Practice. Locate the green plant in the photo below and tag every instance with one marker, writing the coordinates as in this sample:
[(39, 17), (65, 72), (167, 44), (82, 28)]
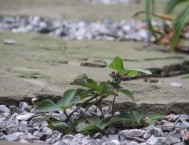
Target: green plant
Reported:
[(139, 118), (94, 124), (178, 23), (186, 76), (90, 92)]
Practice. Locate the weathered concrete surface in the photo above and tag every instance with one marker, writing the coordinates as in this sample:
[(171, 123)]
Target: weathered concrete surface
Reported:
[(68, 9), (15, 143), (40, 66)]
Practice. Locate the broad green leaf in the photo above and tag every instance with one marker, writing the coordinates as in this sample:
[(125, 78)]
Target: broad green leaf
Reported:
[(76, 122), (84, 81), (115, 85), (132, 118), (127, 93), (152, 117), (84, 92), (82, 126), (132, 73), (90, 83), (106, 89), (69, 98), (46, 118), (127, 118), (138, 116), (61, 127), (148, 17), (141, 70), (102, 86), (47, 106), (91, 128), (105, 122), (117, 64), (93, 120), (80, 80), (179, 23)]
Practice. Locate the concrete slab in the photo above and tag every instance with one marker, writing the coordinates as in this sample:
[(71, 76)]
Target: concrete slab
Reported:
[(15, 143), (64, 9), (44, 67)]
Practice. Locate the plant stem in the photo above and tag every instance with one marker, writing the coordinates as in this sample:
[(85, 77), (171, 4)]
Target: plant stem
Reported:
[(113, 103), (84, 116), (81, 105), (67, 116), (98, 104)]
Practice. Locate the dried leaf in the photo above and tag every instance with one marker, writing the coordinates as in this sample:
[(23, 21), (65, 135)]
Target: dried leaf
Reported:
[(171, 117)]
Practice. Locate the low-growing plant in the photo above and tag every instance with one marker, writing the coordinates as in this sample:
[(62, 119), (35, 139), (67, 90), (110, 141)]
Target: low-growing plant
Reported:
[(139, 118), (91, 93)]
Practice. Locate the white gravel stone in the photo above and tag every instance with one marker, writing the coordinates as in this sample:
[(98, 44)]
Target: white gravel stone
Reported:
[(25, 117)]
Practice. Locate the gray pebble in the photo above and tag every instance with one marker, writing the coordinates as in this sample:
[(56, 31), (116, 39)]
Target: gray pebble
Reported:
[(15, 136), (184, 117)]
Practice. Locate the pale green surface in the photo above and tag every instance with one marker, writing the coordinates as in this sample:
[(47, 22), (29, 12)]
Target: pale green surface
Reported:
[(44, 57), (37, 49), (69, 9)]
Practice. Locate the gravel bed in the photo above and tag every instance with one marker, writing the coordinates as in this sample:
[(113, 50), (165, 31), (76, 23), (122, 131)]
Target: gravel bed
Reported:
[(78, 29), (82, 30), (22, 124), (110, 2)]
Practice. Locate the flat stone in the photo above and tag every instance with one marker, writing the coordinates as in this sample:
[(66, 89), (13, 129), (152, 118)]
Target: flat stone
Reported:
[(14, 143), (159, 97), (15, 136), (132, 133)]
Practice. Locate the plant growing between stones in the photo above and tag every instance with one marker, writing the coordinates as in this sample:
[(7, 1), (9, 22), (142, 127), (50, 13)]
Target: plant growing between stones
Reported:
[(90, 95), (139, 118)]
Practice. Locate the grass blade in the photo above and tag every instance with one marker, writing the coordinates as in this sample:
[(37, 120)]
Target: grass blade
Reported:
[(172, 4), (178, 25), (148, 17)]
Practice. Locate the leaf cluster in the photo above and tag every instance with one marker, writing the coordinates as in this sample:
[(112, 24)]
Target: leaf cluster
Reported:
[(91, 92), (139, 118)]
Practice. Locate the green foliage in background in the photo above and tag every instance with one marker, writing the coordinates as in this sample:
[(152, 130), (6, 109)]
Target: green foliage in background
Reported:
[(179, 22)]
